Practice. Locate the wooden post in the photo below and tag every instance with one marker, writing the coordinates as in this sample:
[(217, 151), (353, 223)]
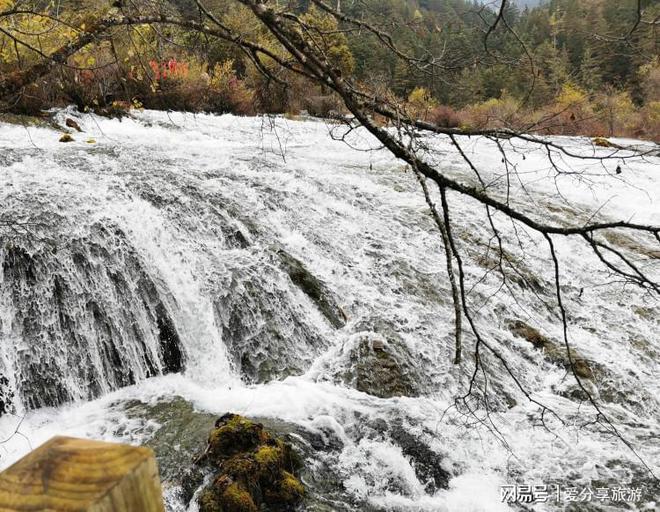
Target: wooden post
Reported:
[(67, 474)]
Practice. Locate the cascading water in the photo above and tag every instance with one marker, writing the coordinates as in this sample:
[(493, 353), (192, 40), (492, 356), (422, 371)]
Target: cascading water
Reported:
[(282, 275)]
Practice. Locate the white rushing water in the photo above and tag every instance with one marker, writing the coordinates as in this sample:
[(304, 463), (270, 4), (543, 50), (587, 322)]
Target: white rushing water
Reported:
[(156, 261)]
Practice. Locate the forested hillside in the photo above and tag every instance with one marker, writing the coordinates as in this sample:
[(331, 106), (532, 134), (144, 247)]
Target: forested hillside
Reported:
[(568, 67)]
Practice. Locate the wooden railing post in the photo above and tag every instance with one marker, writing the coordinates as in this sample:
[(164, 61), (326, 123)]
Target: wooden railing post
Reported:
[(67, 474)]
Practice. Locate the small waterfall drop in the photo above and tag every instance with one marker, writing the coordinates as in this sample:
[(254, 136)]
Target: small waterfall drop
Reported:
[(185, 266)]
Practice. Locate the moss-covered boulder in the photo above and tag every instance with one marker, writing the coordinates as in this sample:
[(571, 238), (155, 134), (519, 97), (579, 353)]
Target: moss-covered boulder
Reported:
[(255, 471), (601, 142)]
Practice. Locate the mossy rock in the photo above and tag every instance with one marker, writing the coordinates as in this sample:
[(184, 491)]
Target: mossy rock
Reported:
[(236, 498), (208, 501), (601, 142), (254, 469), (234, 434), (287, 490), (226, 496), (66, 138)]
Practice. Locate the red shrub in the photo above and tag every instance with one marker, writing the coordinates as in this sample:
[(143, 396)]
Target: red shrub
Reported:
[(445, 117)]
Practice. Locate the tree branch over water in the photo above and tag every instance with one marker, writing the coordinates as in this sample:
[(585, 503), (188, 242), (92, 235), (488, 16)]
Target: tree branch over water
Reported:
[(303, 52)]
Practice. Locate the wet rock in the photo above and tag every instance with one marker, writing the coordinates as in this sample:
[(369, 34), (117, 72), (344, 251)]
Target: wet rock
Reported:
[(66, 138), (598, 380), (426, 462), (6, 396), (178, 435), (267, 335), (254, 469), (601, 142), (116, 110), (270, 333), (72, 124), (381, 367), (381, 372), (92, 314), (553, 351), (41, 120), (169, 340), (313, 287), (414, 283), (631, 244)]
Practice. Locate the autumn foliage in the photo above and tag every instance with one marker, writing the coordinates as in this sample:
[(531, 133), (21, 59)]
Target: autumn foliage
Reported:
[(577, 85)]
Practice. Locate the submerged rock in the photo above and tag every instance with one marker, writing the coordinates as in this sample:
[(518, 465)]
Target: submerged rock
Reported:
[(255, 469), (270, 333), (598, 380), (314, 288), (425, 461), (267, 335), (553, 351), (91, 311), (178, 432)]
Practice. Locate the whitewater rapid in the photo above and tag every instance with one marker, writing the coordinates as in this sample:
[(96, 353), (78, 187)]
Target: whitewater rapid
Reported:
[(149, 260)]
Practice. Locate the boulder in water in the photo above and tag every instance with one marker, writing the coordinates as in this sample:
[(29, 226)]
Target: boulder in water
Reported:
[(66, 138), (601, 142), (427, 463), (254, 468), (72, 124), (381, 371), (376, 359), (381, 367)]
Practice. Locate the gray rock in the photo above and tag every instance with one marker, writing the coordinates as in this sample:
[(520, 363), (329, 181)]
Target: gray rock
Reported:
[(380, 363), (313, 287)]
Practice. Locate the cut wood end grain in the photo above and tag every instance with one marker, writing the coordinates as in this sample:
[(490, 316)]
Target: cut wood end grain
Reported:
[(68, 474)]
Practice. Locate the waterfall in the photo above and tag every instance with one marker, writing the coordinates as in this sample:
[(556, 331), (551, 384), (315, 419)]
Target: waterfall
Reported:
[(83, 317), (119, 266), (263, 268)]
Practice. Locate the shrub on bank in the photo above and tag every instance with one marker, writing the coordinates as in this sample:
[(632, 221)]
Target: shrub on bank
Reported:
[(445, 117)]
